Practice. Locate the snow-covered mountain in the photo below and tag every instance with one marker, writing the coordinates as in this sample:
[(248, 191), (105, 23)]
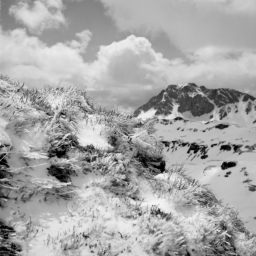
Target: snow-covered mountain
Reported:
[(199, 103)]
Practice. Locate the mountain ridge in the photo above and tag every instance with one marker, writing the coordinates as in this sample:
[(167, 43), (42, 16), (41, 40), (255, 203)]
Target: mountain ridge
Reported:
[(192, 101)]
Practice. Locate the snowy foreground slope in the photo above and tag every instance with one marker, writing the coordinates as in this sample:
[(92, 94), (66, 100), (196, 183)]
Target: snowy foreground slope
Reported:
[(79, 180), (203, 147)]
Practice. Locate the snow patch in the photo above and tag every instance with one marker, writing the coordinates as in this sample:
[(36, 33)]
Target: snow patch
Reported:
[(148, 114), (92, 132)]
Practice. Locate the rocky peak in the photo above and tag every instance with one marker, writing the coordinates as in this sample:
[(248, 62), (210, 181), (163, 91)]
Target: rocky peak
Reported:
[(194, 99)]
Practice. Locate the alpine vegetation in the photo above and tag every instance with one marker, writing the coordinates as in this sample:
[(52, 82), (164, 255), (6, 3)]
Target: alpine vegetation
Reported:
[(80, 180)]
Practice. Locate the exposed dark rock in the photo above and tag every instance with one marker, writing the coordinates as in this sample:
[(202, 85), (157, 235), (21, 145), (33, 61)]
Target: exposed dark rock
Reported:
[(252, 188), (225, 148), (197, 105), (213, 145), (226, 165), (248, 108), (248, 97), (184, 144), (247, 181), (165, 121), (166, 143), (202, 149), (237, 147), (223, 113), (178, 118), (250, 147), (221, 126), (196, 100), (227, 174)]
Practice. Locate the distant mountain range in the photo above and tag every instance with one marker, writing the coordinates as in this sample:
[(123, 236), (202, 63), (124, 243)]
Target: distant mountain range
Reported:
[(194, 102)]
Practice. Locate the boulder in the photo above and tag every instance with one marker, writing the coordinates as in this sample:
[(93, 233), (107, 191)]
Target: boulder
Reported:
[(226, 165), (221, 126), (225, 147)]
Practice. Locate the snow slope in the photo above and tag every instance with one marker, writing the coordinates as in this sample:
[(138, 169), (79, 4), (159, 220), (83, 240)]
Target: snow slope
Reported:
[(76, 180), (233, 188)]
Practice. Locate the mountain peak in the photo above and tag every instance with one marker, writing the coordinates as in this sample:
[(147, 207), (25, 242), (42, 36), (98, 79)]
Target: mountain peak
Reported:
[(198, 102)]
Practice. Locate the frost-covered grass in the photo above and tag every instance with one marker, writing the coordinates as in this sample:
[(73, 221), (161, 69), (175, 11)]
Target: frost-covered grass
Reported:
[(76, 179)]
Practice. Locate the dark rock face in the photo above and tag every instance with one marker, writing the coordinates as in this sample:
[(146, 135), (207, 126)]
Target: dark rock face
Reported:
[(166, 143), (178, 119), (162, 103), (226, 165), (197, 105), (237, 148), (225, 148), (196, 100), (252, 188), (197, 148), (221, 126), (248, 108)]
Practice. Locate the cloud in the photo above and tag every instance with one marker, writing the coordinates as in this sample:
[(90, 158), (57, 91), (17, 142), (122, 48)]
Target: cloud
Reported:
[(39, 15), (126, 73), (84, 39), (122, 73), (189, 24), (235, 6), (28, 59)]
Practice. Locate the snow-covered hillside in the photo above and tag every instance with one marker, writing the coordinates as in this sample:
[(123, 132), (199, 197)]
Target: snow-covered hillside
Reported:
[(203, 147), (79, 180)]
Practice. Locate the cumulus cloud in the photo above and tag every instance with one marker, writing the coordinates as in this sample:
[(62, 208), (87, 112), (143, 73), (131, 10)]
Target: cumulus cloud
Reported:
[(189, 24), (126, 73), (123, 72), (84, 39), (39, 15), (28, 59)]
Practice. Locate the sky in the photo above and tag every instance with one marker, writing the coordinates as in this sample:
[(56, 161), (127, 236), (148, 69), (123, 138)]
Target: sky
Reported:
[(123, 52)]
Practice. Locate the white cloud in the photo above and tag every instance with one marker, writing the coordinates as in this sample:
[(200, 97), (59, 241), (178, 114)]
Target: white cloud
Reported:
[(28, 59), (129, 72), (189, 24), (39, 15), (84, 39), (126, 73)]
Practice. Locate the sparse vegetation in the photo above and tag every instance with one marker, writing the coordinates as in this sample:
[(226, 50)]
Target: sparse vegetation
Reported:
[(114, 212)]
